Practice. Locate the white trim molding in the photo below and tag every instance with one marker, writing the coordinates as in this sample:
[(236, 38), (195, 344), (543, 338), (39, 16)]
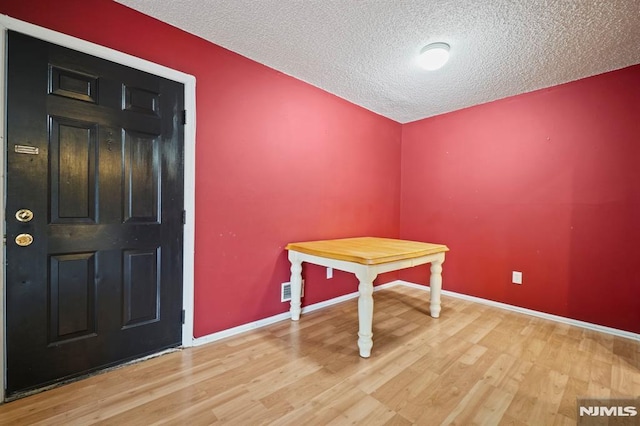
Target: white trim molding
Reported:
[(563, 320), (316, 306), (214, 337), (189, 81)]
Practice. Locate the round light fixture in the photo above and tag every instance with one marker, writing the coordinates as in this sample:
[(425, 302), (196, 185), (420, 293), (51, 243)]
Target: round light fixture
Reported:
[(433, 56)]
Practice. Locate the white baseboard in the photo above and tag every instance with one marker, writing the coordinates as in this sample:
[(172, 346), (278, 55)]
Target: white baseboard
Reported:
[(538, 314), (280, 317), (321, 305)]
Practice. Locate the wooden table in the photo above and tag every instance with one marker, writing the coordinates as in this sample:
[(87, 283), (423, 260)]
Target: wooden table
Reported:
[(366, 257)]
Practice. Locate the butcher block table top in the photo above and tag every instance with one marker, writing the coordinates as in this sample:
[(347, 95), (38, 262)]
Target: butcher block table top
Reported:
[(367, 250)]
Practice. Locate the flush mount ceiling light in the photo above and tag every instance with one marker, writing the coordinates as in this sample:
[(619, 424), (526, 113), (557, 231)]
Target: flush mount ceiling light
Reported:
[(433, 56)]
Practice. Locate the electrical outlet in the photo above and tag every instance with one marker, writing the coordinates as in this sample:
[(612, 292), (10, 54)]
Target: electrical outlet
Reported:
[(516, 277), (329, 273)]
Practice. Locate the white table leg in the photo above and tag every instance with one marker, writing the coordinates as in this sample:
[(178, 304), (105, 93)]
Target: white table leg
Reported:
[(296, 285), (435, 284), (365, 311)]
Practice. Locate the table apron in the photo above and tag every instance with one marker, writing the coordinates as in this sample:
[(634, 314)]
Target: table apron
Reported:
[(355, 267)]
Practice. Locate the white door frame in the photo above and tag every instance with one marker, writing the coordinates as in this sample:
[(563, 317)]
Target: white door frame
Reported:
[(189, 81)]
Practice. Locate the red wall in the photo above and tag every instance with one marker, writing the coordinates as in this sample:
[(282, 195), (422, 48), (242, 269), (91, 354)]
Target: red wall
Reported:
[(277, 161), (546, 183)]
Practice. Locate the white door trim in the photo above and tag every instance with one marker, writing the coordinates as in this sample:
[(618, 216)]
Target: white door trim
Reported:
[(189, 81)]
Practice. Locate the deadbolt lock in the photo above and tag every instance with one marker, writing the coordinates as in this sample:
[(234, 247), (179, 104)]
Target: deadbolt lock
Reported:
[(24, 240), (24, 215)]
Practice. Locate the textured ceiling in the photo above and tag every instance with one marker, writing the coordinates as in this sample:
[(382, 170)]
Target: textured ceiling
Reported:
[(364, 50)]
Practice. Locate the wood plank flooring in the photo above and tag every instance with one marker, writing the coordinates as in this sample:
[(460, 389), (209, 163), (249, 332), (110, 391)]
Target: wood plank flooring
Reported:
[(474, 365)]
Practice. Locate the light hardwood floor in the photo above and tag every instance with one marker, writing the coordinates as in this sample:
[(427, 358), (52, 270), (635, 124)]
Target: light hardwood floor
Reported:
[(473, 365)]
